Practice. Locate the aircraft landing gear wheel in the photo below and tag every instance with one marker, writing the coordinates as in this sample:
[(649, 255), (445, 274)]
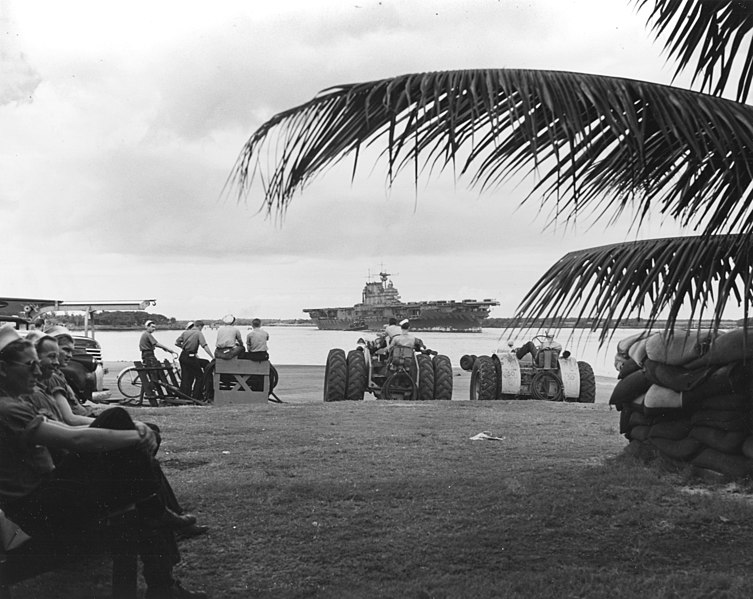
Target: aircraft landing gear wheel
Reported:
[(335, 376), (587, 383), (425, 378), (357, 375), (442, 378), (483, 379)]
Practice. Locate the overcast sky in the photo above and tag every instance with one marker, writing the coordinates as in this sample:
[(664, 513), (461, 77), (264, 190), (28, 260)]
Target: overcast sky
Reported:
[(120, 122)]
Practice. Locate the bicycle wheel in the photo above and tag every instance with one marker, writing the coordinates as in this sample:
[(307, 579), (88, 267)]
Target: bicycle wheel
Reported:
[(129, 383)]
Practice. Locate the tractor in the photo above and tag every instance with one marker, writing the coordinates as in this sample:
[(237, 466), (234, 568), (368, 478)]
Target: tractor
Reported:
[(402, 373), (538, 370)]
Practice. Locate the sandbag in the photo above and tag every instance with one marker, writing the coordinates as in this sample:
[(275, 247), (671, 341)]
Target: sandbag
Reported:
[(724, 441), (629, 388), (625, 366), (624, 346), (637, 403), (730, 401), (682, 449), (638, 433), (735, 466), (662, 398), (637, 351), (638, 419), (747, 448), (678, 348), (723, 380), (640, 450), (625, 414), (677, 378), (724, 420), (671, 429), (732, 346)]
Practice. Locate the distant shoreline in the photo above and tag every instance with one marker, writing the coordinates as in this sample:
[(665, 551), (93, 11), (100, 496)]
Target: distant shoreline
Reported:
[(496, 323)]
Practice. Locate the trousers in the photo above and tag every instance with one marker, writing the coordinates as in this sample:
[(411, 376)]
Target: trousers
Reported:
[(87, 486)]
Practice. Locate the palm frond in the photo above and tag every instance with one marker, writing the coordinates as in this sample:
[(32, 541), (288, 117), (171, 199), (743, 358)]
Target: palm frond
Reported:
[(598, 145), (716, 32), (653, 279)]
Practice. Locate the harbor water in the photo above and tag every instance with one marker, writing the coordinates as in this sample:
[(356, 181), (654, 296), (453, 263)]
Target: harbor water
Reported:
[(308, 346)]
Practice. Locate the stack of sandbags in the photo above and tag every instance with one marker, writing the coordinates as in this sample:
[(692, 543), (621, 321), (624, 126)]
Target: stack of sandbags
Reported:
[(687, 396)]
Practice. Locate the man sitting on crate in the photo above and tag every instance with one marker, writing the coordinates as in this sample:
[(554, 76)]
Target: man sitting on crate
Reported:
[(229, 340), (256, 342), (191, 366)]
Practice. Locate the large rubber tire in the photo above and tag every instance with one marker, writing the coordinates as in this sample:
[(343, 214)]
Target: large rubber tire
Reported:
[(425, 378), (358, 375), (274, 377), (546, 385), (497, 376), (587, 383), (400, 386), (129, 383), (483, 379), (335, 376), (442, 378)]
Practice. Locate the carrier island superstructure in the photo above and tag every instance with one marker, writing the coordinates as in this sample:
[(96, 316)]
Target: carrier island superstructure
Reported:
[(381, 301)]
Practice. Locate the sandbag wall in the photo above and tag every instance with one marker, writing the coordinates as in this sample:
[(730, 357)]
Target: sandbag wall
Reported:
[(687, 396)]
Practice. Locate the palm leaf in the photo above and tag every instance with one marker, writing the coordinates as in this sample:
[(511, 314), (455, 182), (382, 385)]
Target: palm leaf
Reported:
[(599, 145), (653, 279), (717, 33)]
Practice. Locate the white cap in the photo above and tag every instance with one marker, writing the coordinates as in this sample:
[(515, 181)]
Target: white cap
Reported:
[(404, 321), (8, 334), (56, 330), (148, 323), (228, 319)]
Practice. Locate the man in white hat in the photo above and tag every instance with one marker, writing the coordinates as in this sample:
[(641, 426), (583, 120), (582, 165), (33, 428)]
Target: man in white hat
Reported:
[(147, 345), (405, 338), (229, 339)]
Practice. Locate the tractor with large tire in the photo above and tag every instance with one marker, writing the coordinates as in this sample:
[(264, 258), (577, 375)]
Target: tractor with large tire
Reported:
[(538, 370), (401, 373)]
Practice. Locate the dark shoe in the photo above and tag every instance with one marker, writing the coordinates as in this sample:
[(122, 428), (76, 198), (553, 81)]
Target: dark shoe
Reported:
[(188, 532), (169, 519), (176, 591)]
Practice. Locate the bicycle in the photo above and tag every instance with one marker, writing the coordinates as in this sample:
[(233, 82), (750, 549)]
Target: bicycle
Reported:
[(129, 380)]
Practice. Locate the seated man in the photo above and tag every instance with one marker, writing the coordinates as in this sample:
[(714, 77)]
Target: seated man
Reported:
[(256, 342), (392, 329), (229, 341), (104, 468), (405, 338), (50, 400), (533, 349), (66, 377)]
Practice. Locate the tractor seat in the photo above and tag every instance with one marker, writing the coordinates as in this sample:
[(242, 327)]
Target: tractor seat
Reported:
[(547, 358)]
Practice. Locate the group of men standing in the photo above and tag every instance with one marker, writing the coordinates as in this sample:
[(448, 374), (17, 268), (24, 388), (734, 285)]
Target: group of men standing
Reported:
[(229, 345)]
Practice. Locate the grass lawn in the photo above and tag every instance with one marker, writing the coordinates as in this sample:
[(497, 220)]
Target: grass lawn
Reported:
[(380, 499)]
